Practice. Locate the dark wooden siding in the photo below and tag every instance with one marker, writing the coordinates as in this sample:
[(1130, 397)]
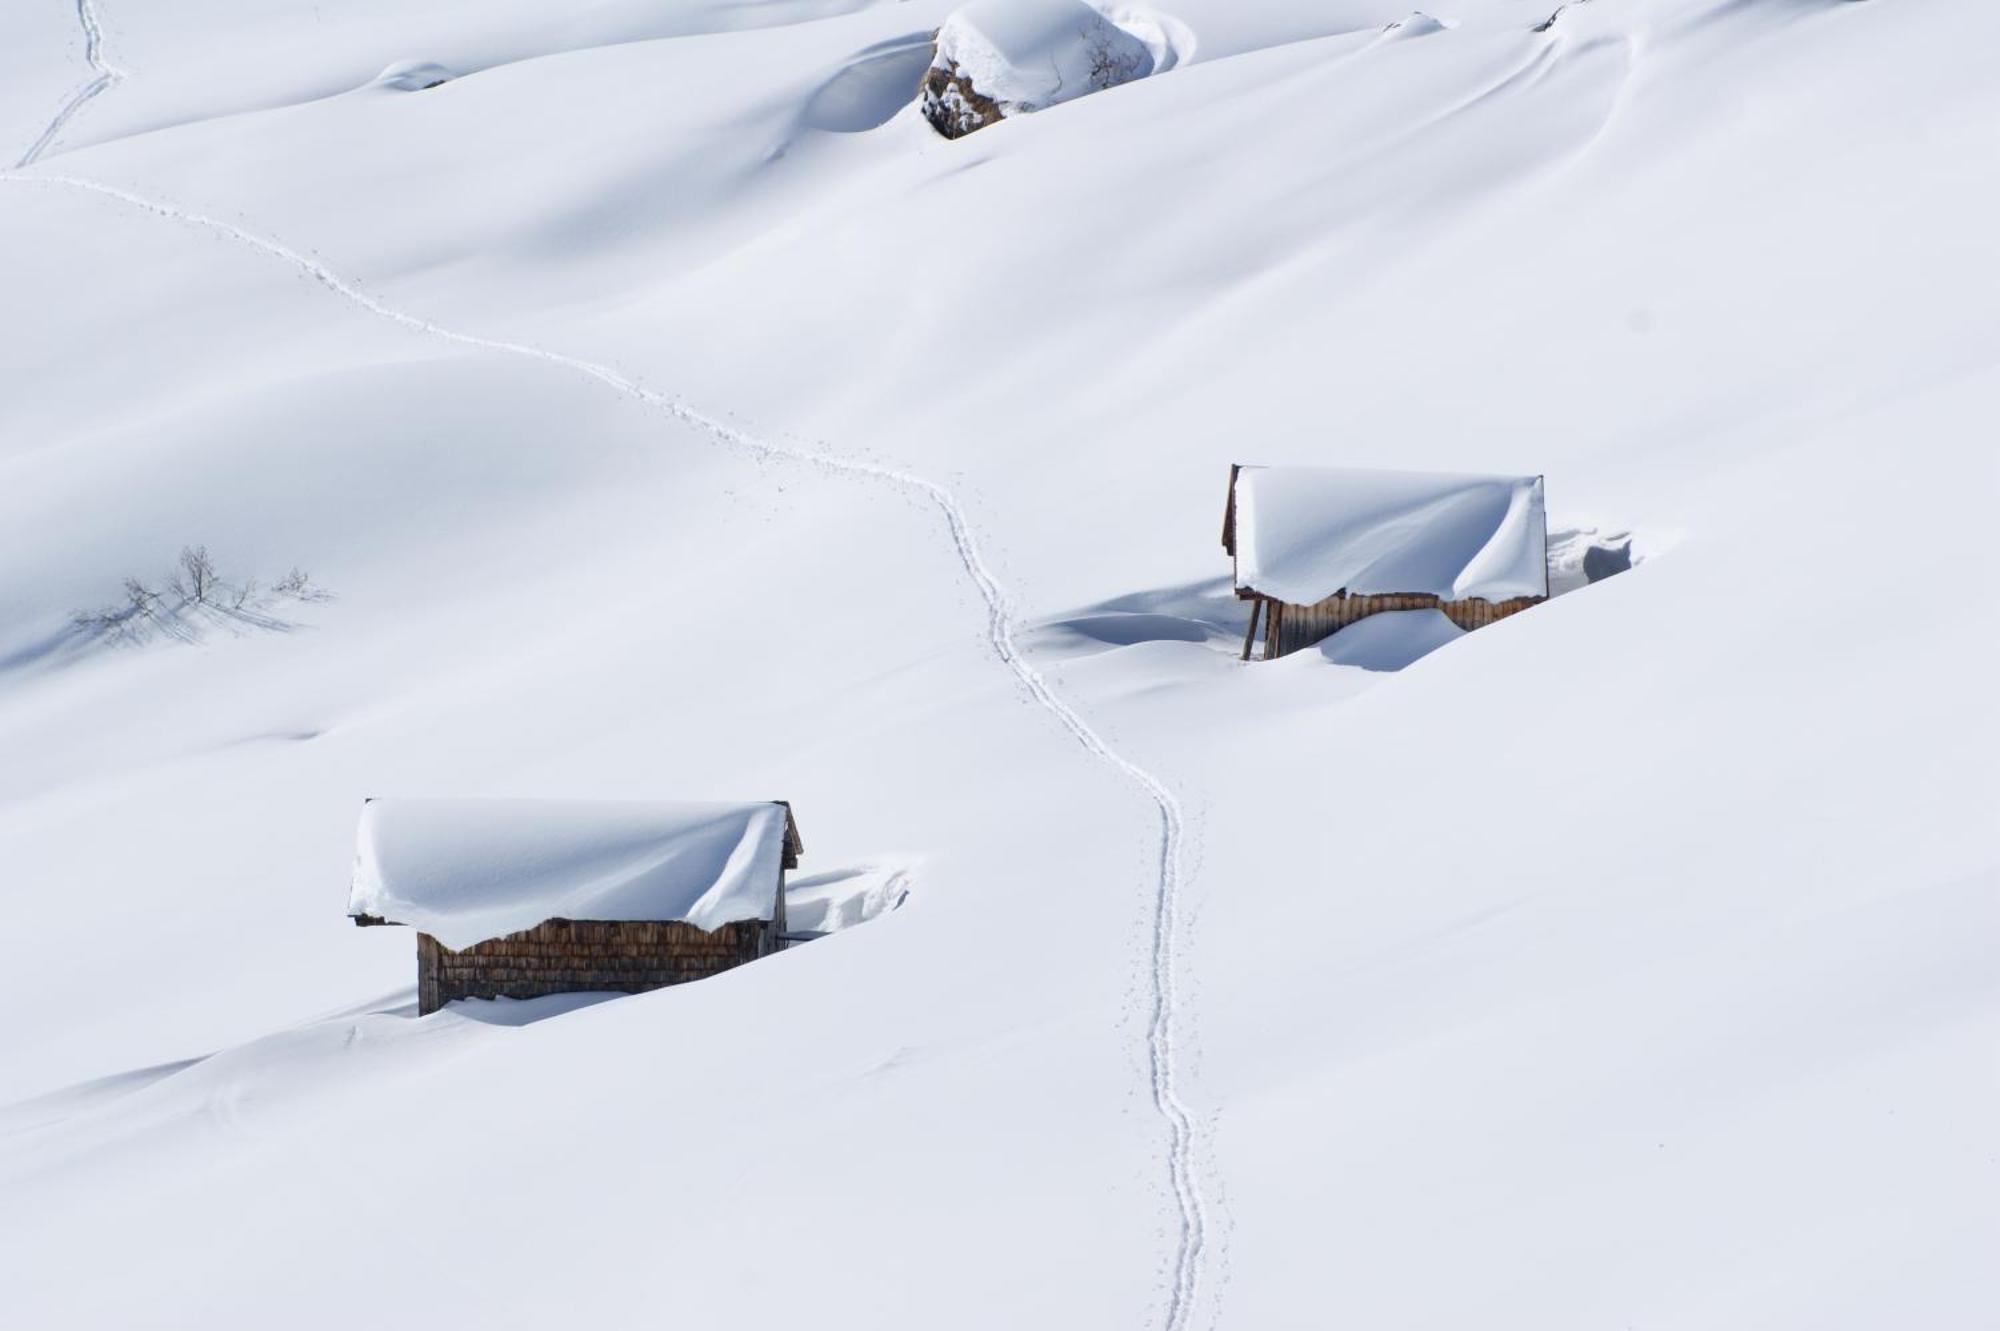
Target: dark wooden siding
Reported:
[(1291, 627), (585, 956)]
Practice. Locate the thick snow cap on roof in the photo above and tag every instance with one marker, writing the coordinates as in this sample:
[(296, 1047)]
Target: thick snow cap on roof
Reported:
[(1300, 534), (466, 870)]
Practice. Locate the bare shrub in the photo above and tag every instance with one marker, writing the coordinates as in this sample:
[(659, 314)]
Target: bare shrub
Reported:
[(1109, 67), (197, 595), (297, 585), (195, 580)]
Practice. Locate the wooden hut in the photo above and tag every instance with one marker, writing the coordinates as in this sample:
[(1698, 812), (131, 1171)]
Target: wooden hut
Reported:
[(523, 898), (1316, 548)]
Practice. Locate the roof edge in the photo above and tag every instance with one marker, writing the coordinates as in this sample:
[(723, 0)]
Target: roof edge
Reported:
[(1229, 513), (795, 845)]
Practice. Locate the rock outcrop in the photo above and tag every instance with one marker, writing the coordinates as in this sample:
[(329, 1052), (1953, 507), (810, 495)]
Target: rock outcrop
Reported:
[(999, 58)]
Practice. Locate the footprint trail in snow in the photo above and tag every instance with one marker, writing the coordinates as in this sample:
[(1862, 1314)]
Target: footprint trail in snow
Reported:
[(102, 75)]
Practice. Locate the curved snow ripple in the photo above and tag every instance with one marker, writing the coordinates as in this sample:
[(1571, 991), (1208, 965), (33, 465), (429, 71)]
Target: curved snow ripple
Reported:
[(103, 75), (1191, 1238)]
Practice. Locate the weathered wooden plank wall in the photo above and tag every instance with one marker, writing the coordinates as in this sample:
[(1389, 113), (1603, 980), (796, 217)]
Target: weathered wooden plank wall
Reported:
[(584, 956), (1290, 627), (428, 951)]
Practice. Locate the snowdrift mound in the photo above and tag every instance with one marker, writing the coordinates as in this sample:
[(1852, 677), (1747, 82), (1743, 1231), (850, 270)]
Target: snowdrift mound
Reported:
[(825, 903), (1206, 613), (1418, 24), (871, 88), (1579, 556), (413, 76), (1126, 630), (1170, 42), (1000, 58), (1391, 640)]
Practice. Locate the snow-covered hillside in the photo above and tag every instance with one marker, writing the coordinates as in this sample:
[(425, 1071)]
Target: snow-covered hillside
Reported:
[(667, 411)]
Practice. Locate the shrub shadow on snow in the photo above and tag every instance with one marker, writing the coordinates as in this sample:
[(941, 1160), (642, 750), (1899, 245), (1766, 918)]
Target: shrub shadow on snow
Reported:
[(49, 652), (193, 598)]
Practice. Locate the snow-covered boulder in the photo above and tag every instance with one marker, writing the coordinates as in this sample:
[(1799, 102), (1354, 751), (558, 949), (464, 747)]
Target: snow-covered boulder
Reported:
[(999, 58), (413, 76)]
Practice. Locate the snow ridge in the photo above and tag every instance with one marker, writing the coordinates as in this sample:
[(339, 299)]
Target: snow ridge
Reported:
[(1162, 1069), (103, 75)]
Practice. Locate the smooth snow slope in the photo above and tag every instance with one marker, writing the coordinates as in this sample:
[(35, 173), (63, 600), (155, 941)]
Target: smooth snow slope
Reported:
[(1624, 962)]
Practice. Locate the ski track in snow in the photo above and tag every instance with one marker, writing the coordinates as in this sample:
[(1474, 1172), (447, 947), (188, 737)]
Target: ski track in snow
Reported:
[(1191, 1240), (103, 75)]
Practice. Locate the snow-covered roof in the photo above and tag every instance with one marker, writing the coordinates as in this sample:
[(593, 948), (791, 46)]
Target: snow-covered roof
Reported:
[(466, 870), (1301, 534)]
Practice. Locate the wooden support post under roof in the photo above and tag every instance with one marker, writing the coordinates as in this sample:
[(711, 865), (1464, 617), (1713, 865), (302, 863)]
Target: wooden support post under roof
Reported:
[(1250, 633)]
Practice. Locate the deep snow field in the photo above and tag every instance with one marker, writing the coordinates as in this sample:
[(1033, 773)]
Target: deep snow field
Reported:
[(669, 412)]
